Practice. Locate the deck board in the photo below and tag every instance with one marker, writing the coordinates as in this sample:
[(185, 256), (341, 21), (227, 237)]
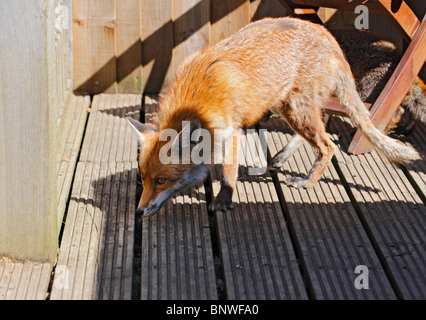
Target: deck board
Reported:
[(177, 258), (23, 280), (328, 232), (417, 169), (259, 261), (96, 254), (393, 213), (73, 125), (108, 136), (97, 247)]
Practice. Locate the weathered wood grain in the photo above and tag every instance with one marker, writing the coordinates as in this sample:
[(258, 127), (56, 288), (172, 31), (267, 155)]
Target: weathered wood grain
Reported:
[(96, 254), (128, 46), (73, 124), (157, 37), (330, 236), (23, 281), (30, 280), (191, 28), (417, 169), (260, 9), (96, 257), (95, 67), (113, 44), (278, 243), (227, 17), (259, 261), (177, 259), (29, 111), (393, 214), (108, 136)]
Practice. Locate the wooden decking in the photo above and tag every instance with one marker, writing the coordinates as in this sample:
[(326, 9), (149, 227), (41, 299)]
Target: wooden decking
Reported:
[(277, 243)]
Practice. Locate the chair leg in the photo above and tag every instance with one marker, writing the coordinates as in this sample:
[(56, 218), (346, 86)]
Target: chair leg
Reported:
[(396, 88)]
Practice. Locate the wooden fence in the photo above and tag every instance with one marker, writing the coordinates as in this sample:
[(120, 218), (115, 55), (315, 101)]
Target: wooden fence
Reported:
[(134, 46), (35, 85)]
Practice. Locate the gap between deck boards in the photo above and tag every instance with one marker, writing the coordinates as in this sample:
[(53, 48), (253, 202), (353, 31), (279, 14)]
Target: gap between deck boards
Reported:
[(221, 284), (80, 125)]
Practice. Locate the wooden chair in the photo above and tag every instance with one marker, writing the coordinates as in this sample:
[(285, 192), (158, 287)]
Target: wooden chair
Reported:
[(404, 75)]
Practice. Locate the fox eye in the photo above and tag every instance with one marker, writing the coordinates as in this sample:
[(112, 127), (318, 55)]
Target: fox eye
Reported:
[(160, 180)]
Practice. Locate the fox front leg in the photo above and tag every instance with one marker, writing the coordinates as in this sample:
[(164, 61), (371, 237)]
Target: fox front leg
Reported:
[(223, 200)]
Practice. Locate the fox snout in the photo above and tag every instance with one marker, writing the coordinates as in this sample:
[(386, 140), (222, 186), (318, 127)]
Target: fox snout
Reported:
[(150, 203), (148, 211)]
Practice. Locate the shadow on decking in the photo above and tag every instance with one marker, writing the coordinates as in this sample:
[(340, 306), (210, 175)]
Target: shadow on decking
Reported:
[(278, 243), (101, 223), (329, 240)]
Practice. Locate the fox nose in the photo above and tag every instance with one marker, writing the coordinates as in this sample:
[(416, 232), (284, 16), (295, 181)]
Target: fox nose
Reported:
[(147, 212)]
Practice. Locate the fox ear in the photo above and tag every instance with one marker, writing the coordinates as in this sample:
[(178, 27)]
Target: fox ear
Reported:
[(139, 128)]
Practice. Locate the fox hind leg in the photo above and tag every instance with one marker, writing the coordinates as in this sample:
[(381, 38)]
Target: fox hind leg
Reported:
[(307, 123)]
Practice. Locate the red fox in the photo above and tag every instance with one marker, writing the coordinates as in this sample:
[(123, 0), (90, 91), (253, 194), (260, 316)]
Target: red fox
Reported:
[(288, 65)]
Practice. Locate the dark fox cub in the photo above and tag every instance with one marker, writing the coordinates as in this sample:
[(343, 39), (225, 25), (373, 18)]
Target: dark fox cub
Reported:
[(372, 62)]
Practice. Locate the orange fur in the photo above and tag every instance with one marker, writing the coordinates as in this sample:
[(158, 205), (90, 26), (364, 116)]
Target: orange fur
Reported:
[(289, 65)]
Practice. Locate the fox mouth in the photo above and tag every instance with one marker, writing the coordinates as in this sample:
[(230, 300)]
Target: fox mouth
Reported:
[(156, 205), (149, 211)]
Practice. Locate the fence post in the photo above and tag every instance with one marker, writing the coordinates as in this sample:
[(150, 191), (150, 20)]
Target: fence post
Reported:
[(28, 130)]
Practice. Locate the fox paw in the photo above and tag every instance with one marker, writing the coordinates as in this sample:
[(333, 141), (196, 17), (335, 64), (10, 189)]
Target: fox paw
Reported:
[(223, 202), (276, 162), (221, 205), (298, 182)]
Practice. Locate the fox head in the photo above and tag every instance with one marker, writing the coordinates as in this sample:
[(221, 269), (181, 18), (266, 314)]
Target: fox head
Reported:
[(164, 171)]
